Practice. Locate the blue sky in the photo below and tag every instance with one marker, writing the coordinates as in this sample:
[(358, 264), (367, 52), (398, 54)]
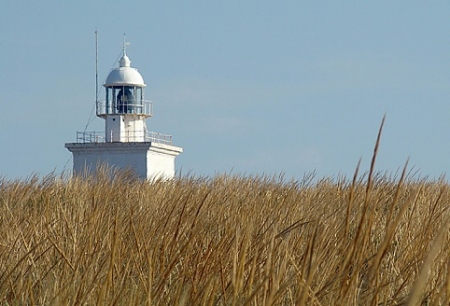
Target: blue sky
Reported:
[(247, 87)]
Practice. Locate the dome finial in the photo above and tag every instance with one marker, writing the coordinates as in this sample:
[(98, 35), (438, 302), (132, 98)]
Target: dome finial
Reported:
[(125, 61), (125, 44)]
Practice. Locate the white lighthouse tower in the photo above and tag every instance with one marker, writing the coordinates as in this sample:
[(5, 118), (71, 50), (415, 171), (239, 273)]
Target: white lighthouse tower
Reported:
[(126, 143)]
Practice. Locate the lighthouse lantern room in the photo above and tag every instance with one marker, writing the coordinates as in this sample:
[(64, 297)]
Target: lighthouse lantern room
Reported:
[(126, 142)]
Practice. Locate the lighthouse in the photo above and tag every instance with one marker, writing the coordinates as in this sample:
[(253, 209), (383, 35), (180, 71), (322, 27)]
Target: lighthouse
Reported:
[(126, 143)]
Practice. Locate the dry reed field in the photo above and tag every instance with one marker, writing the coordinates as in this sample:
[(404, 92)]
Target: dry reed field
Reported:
[(226, 240)]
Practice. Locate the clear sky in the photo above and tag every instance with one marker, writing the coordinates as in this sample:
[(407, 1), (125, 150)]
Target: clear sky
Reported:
[(247, 87)]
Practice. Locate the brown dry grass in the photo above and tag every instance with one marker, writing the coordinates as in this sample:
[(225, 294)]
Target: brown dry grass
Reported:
[(224, 241), (227, 240)]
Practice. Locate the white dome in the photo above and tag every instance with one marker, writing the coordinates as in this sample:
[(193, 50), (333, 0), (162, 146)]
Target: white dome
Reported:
[(124, 75)]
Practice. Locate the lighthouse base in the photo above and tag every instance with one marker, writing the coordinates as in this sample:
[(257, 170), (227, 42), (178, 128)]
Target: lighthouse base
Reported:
[(148, 160)]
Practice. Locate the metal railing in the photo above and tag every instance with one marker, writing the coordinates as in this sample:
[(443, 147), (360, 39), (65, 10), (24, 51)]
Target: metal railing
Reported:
[(158, 137), (134, 107), (88, 137), (99, 137)]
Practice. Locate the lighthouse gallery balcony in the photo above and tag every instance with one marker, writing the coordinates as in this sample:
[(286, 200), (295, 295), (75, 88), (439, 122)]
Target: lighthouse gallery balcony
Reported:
[(131, 107), (147, 136)]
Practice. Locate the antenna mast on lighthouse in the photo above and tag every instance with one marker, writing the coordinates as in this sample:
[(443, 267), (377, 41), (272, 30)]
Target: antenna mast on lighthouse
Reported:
[(96, 66)]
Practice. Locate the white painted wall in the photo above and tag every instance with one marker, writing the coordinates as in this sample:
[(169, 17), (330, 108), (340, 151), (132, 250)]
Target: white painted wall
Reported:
[(134, 129), (148, 160), (114, 124), (160, 165), (125, 128), (88, 161)]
